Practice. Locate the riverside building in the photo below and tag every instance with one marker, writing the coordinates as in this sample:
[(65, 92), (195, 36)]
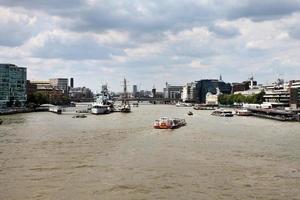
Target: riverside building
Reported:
[(210, 86), (295, 94), (12, 86), (41, 85), (60, 83), (134, 90), (189, 92), (277, 94), (81, 94), (172, 92), (283, 94)]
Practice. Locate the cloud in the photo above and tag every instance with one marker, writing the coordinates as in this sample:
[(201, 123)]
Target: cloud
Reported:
[(73, 46), (293, 26), (198, 64), (262, 10), (16, 28), (224, 29), (151, 41), (43, 5)]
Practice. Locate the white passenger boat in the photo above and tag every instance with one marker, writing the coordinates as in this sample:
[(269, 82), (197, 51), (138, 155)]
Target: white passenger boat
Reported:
[(55, 109), (99, 108)]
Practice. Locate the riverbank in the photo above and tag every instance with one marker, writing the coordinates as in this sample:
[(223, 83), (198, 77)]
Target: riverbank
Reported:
[(12, 111)]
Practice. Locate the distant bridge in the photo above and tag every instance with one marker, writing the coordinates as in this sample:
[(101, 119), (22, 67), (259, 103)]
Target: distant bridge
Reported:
[(150, 99)]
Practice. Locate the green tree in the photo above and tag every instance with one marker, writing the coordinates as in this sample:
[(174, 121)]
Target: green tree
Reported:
[(38, 98), (260, 97), (230, 99)]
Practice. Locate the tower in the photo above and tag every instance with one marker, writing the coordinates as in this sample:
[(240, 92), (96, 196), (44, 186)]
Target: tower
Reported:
[(71, 82), (153, 91), (251, 82)]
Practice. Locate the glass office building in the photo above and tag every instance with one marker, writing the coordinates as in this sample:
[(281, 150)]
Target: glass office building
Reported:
[(12, 86), (211, 85)]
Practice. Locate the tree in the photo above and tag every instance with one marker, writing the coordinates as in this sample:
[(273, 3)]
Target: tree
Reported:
[(230, 99), (41, 98), (38, 98), (260, 97)]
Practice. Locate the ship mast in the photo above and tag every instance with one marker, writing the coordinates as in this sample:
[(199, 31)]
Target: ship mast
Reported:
[(125, 89), (125, 106)]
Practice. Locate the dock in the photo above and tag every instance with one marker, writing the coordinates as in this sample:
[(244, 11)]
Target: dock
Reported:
[(280, 115)]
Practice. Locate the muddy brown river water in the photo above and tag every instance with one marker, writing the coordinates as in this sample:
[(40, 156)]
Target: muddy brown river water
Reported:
[(120, 156)]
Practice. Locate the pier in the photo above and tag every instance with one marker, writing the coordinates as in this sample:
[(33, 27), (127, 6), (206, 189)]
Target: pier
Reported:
[(15, 111), (281, 115)]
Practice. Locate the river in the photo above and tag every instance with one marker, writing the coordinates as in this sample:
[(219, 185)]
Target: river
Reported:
[(121, 156)]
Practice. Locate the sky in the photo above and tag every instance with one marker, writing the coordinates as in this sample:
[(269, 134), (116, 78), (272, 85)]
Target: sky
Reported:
[(151, 42)]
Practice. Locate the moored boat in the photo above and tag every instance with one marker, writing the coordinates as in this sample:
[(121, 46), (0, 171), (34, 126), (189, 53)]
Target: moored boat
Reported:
[(169, 123), (103, 103), (180, 104), (99, 108), (125, 106), (205, 107), (243, 112), (55, 109), (276, 114), (222, 113)]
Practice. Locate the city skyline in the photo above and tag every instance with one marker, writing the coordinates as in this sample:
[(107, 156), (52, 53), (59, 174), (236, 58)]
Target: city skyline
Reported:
[(151, 43)]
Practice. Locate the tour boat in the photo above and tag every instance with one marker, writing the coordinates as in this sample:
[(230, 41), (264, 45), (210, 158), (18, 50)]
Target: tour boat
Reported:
[(169, 123), (222, 113)]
